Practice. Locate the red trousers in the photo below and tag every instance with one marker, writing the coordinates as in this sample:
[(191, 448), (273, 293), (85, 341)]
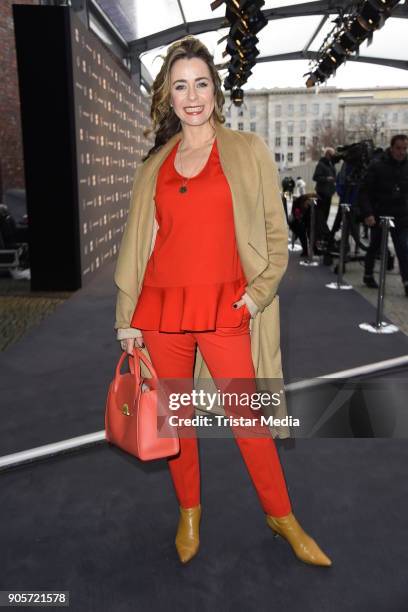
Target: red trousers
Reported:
[(227, 353)]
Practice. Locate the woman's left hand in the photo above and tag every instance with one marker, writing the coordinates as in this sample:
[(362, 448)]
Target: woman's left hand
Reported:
[(250, 304)]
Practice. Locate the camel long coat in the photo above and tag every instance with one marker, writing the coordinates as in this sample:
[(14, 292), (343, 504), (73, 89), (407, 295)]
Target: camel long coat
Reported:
[(262, 242)]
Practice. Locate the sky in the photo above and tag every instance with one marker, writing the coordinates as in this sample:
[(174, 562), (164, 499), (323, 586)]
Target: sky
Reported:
[(349, 75)]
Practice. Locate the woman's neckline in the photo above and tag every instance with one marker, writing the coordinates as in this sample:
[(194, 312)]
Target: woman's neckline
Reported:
[(188, 178)]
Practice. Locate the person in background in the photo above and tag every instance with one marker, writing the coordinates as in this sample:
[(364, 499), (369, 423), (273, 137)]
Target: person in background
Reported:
[(299, 220), (300, 187), (346, 194), (288, 186), (384, 192), (325, 179)]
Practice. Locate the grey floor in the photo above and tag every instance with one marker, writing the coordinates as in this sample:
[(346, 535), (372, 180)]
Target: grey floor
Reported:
[(102, 526)]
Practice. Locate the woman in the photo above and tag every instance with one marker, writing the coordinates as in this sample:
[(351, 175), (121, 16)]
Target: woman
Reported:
[(203, 252)]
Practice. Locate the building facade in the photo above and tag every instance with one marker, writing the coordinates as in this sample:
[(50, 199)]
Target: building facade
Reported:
[(292, 120)]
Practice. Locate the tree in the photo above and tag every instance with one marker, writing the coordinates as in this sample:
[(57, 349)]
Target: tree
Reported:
[(328, 134), (364, 124)]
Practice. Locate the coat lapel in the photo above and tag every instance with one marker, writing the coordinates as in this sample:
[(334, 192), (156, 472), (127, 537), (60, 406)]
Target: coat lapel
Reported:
[(243, 175)]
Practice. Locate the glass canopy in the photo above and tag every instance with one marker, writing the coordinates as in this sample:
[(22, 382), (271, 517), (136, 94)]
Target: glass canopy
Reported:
[(294, 28)]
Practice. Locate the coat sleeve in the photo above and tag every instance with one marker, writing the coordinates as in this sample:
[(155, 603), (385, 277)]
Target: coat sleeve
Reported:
[(124, 333), (263, 289)]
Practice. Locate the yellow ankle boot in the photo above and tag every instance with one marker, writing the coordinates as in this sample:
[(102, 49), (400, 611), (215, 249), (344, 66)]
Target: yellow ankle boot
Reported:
[(304, 547), (188, 536)]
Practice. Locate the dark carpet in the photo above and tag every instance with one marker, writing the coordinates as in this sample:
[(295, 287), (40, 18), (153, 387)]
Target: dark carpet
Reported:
[(102, 525), (319, 326)]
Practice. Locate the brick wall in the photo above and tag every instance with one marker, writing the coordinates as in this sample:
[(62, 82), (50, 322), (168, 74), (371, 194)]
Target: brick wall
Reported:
[(11, 154)]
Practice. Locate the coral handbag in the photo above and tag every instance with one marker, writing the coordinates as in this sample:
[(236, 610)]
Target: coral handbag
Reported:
[(136, 413)]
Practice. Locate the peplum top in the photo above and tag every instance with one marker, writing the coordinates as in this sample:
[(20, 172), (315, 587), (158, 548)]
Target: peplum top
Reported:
[(194, 273)]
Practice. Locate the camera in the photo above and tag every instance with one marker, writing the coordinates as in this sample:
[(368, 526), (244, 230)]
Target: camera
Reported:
[(358, 157)]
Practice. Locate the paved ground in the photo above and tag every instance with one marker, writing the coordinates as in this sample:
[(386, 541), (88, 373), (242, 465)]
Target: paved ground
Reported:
[(21, 309)]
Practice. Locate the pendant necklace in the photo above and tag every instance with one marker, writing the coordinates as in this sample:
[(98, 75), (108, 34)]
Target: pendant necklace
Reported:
[(183, 186)]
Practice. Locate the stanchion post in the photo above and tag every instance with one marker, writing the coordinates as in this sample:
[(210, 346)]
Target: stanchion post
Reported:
[(312, 232), (385, 223), (310, 261), (293, 239), (380, 327), (339, 284), (292, 246), (345, 209)]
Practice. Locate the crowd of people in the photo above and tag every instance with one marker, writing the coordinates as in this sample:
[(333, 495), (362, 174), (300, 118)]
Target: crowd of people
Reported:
[(382, 191)]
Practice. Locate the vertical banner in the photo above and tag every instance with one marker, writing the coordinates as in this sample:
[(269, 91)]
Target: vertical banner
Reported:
[(110, 116)]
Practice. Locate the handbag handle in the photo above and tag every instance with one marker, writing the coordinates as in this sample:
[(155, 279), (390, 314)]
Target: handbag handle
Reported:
[(137, 353), (135, 370)]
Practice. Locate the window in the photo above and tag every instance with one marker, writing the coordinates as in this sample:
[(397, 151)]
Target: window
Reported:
[(252, 126), (227, 124), (290, 141), (327, 108), (303, 109), (290, 157), (277, 141), (240, 125), (395, 117), (302, 156), (252, 111), (405, 117), (277, 157), (316, 125), (241, 112), (315, 140), (278, 125), (290, 109), (290, 127), (315, 109), (278, 110), (302, 127), (303, 141)]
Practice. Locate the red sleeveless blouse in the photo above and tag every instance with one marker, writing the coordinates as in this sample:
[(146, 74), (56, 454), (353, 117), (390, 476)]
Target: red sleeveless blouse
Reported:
[(194, 274)]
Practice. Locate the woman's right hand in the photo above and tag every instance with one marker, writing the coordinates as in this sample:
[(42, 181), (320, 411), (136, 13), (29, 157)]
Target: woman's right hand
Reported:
[(128, 344)]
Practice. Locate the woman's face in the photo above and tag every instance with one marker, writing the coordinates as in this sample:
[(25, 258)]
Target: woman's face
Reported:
[(192, 91)]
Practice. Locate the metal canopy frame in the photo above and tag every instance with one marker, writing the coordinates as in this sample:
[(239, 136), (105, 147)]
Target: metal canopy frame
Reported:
[(308, 9), (131, 50), (312, 55)]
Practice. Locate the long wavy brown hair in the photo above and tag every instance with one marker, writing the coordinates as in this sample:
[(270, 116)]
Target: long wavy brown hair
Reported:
[(165, 122)]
